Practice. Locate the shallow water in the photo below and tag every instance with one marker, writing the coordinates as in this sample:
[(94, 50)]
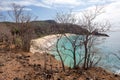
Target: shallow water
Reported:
[(105, 49)]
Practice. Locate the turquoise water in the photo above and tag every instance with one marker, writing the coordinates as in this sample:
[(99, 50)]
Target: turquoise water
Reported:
[(66, 50), (105, 47)]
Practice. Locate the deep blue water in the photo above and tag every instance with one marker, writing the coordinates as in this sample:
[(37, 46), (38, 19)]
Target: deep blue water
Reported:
[(105, 49)]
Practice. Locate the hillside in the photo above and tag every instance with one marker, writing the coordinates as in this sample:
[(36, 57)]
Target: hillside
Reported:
[(21, 34), (18, 65), (28, 66), (48, 27)]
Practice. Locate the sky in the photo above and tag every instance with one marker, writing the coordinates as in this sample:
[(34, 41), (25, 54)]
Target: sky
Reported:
[(47, 9)]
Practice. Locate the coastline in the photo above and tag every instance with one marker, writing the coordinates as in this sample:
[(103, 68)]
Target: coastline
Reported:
[(44, 44)]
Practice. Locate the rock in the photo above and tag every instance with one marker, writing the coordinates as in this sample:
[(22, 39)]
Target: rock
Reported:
[(27, 77), (117, 72), (88, 78), (80, 72), (48, 76), (58, 79), (67, 74), (37, 67), (1, 65), (116, 75), (16, 78), (1, 72), (75, 78)]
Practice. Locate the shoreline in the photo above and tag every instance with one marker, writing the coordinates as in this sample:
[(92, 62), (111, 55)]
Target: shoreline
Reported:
[(44, 44)]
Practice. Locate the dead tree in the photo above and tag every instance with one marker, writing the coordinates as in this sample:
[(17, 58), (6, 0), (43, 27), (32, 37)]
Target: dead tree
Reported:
[(66, 19), (87, 21), (22, 29), (89, 37)]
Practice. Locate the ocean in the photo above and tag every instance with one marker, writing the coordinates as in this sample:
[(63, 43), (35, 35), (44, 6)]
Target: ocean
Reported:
[(105, 48), (109, 47)]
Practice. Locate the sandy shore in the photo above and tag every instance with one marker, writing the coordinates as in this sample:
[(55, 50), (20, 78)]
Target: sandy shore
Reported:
[(45, 44)]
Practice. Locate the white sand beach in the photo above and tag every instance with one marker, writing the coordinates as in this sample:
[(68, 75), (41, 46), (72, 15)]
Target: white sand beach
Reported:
[(44, 44)]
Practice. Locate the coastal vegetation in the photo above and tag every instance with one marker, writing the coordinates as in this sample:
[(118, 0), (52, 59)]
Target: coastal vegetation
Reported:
[(15, 42)]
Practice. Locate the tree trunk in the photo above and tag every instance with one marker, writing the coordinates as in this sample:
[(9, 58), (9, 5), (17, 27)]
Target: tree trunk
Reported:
[(74, 57), (86, 53), (60, 55)]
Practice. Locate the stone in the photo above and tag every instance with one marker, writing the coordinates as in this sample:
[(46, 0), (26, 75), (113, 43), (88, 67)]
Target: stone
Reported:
[(1, 64), (16, 78)]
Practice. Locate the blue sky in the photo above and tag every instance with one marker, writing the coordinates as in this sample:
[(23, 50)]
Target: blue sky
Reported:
[(46, 9)]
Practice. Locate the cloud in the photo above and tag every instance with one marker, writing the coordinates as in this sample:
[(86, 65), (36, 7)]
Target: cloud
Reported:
[(41, 3), (112, 13), (112, 7), (31, 3), (5, 4), (6, 8), (62, 3)]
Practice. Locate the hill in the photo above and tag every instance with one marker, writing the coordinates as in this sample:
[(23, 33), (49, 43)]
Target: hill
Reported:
[(28, 66), (48, 27)]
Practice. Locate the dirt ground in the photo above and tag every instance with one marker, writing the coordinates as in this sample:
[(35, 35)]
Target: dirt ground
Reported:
[(28, 66)]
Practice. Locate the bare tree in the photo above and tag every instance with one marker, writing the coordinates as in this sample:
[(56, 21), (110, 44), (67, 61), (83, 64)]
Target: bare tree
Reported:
[(5, 37), (16, 12), (76, 45), (68, 20), (88, 22), (59, 53), (22, 30), (63, 18), (26, 31), (89, 37)]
